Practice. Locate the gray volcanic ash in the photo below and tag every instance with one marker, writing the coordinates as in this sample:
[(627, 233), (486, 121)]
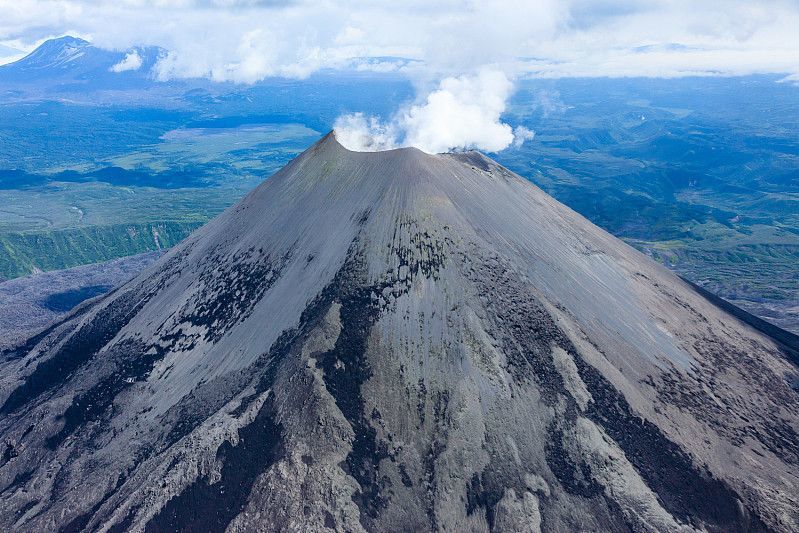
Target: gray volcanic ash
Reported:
[(397, 341)]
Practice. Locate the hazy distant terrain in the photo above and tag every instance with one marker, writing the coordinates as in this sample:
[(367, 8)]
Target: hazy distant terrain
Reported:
[(700, 173), (29, 303)]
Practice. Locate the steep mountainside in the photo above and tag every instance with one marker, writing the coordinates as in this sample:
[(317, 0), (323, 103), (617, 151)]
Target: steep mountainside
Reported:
[(397, 341)]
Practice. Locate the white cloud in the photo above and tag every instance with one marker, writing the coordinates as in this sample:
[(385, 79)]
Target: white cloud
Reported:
[(246, 40), (793, 79), (461, 113), (360, 133), (521, 135), (132, 61)]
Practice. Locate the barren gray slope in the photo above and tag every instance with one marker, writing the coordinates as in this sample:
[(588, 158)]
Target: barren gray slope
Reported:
[(398, 341)]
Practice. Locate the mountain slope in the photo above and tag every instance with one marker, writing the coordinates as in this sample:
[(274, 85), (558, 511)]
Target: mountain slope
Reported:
[(400, 341), (62, 54), (70, 63)]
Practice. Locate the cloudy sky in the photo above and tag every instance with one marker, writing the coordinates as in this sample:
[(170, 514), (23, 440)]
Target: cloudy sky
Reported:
[(246, 40), (463, 56)]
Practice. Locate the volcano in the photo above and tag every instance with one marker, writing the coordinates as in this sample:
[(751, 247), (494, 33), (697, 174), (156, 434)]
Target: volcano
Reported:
[(399, 341), (74, 65)]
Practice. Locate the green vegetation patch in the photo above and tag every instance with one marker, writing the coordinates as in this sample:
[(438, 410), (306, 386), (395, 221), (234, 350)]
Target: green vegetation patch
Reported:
[(23, 253)]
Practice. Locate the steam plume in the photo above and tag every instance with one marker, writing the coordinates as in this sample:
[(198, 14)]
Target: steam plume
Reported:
[(461, 113)]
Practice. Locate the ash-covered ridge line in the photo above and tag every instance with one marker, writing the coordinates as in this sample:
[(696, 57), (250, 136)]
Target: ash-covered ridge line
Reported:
[(400, 341)]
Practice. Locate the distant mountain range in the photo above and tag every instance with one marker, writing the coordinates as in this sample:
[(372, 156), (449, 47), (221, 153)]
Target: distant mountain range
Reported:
[(70, 63)]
